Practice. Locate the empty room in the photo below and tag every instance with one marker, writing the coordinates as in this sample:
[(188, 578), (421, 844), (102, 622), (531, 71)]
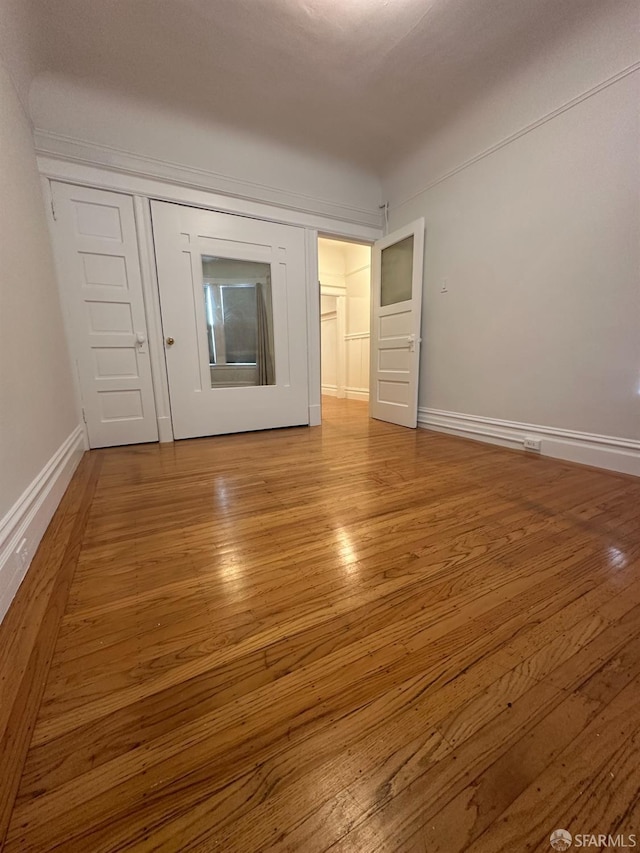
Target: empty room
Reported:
[(319, 426)]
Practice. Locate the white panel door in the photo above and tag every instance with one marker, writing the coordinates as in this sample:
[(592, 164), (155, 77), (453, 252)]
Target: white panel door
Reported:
[(233, 300), (396, 303), (96, 249)]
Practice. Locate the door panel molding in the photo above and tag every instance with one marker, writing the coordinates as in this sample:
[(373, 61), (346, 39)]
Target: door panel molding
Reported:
[(86, 172), (183, 236), (95, 243), (395, 327)]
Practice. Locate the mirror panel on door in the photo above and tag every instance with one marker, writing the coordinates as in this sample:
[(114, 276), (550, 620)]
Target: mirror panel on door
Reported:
[(239, 318), (233, 301)]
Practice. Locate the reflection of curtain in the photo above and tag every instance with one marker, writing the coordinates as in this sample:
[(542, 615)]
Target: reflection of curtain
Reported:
[(212, 352), (264, 348)]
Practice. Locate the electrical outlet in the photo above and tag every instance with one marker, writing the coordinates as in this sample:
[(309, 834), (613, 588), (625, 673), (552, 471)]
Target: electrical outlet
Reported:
[(22, 553), (532, 443)]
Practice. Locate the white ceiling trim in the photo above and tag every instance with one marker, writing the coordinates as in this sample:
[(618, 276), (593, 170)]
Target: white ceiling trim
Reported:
[(610, 81), (55, 146)]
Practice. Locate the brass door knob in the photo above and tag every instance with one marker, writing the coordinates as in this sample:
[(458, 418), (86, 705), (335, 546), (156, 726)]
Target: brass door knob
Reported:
[(170, 342)]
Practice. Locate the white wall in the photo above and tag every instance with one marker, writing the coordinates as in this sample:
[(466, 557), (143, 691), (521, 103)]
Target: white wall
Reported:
[(534, 225), (37, 408), (357, 275), (266, 170), (329, 344)]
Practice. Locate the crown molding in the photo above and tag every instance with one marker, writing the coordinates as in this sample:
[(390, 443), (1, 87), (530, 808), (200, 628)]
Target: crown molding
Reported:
[(69, 149), (507, 140)]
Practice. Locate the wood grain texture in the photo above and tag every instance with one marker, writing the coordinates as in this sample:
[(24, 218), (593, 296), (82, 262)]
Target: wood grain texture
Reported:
[(349, 638), (29, 630)]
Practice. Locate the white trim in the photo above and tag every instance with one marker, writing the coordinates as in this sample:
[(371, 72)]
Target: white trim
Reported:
[(30, 515), (102, 178), (332, 290), (165, 429), (315, 415), (314, 369), (600, 451), (349, 393), (336, 275), (341, 350), (357, 336), (522, 132), (53, 149), (151, 296), (357, 393)]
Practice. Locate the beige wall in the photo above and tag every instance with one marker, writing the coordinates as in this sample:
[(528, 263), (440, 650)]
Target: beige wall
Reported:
[(357, 276), (346, 266), (536, 234), (20, 47), (37, 408)]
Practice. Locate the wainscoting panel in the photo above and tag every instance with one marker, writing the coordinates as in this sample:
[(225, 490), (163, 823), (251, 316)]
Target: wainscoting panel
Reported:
[(357, 357)]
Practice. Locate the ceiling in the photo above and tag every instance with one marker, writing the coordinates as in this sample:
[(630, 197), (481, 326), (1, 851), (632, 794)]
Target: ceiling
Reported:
[(362, 80)]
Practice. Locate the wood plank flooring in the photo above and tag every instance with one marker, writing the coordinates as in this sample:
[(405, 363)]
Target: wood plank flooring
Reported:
[(348, 639)]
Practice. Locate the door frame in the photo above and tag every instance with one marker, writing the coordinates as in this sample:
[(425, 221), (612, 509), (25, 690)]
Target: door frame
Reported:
[(143, 189)]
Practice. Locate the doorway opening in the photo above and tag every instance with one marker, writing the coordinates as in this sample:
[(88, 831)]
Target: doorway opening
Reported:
[(344, 271)]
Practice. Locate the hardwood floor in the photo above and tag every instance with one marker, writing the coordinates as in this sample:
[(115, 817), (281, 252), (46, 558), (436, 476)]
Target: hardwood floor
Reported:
[(354, 638)]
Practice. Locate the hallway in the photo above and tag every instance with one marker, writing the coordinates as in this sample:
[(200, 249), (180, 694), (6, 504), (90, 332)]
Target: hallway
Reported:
[(352, 638)]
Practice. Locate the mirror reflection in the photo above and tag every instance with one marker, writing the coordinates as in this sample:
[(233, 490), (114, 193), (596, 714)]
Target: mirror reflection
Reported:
[(239, 316)]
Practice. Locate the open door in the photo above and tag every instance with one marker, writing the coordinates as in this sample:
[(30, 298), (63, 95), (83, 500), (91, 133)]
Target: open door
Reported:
[(396, 302)]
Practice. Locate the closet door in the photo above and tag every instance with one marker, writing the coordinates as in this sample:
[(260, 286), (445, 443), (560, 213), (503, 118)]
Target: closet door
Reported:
[(233, 299), (96, 250)]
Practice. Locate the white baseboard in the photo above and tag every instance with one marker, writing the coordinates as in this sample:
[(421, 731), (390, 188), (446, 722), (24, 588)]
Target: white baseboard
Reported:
[(600, 451), (349, 393), (357, 394), (315, 415), (30, 515)]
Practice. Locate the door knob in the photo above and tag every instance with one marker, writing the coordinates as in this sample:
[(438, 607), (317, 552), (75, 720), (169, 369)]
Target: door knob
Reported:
[(170, 342)]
